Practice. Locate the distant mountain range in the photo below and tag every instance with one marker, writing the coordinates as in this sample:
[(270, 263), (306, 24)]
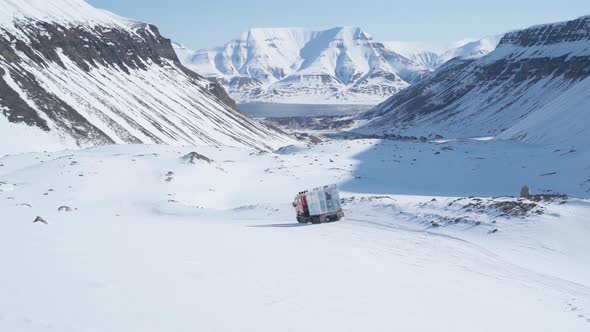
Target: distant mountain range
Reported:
[(534, 87), (75, 76), (337, 66), (432, 59)]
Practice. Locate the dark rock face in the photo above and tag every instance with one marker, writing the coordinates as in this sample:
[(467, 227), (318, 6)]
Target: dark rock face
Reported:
[(64, 209), (236, 84), (487, 96), (417, 97), (550, 34), (40, 220), (194, 157), (44, 44)]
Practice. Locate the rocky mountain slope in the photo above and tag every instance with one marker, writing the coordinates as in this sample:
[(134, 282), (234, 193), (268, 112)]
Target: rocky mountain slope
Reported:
[(73, 76), (293, 65), (533, 87)]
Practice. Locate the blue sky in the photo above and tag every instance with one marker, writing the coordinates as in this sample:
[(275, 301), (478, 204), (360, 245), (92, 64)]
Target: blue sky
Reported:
[(206, 23)]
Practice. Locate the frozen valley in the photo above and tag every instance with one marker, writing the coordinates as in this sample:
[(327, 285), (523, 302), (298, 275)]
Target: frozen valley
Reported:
[(149, 238), (135, 195)]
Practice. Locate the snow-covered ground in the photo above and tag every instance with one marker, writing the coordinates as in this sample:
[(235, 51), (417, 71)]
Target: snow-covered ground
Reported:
[(155, 242)]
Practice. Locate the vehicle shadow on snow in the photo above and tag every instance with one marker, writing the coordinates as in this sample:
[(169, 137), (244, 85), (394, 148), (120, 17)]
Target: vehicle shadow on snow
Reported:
[(290, 225)]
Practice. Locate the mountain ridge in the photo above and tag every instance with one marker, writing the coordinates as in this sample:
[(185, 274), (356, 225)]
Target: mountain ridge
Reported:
[(338, 65), (333, 66), (531, 88), (107, 81)]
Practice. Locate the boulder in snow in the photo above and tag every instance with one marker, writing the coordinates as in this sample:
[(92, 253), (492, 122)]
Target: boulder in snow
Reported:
[(41, 220), (194, 157), (64, 209)]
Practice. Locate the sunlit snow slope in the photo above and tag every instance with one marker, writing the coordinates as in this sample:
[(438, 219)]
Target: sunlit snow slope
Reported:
[(533, 87), (151, 242), (72, 75)]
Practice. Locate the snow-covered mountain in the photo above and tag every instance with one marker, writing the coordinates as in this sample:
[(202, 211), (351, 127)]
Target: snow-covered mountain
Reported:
[(72, 75), (533, 87), (420, 53), (433, 58), (294, 65), (471, 49)]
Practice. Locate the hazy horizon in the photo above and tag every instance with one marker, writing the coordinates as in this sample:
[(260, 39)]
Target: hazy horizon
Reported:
[(213, 23)]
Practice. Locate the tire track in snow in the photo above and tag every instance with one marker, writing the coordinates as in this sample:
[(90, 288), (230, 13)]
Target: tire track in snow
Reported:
[(565, 290)]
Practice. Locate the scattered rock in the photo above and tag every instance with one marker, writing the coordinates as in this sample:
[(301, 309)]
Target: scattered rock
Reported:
[(194, 157), (169, 176), (41, 220), (64, 209), (495, 230), (507, 207), (549, 198), (570, 151), (549, 174)]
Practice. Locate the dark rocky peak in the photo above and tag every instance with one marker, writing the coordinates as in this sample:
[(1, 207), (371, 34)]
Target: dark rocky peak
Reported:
[(550, 34)]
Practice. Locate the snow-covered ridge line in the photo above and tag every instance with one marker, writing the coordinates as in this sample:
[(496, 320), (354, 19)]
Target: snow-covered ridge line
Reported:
[(549, 40), (555, 24), (66, 12), (433, 58)]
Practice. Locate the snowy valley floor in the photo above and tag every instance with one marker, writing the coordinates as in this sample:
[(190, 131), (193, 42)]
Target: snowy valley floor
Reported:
[(155, 242)]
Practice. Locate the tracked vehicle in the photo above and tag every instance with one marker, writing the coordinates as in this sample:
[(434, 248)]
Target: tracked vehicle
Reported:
[(318, 205)]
